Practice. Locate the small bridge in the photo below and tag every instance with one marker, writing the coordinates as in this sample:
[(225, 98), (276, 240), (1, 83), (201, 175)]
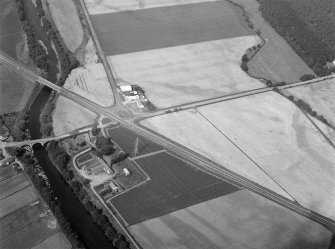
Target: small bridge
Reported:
[(41, 141)]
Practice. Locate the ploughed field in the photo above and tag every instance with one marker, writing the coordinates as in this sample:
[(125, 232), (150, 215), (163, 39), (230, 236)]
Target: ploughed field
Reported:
[(173, 185), (177, 51)]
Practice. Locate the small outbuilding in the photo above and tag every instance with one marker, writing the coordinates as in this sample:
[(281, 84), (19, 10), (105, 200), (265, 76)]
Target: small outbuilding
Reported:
[(126, 172)]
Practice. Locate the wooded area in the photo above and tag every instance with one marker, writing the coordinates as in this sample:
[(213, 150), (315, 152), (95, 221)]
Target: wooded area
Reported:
[(298, 30)]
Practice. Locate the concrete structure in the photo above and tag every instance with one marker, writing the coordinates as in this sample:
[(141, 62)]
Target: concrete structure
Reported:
[(126, 88), (126, 172)]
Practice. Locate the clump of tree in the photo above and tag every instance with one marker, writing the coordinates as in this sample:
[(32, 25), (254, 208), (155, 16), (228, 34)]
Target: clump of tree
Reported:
[(104, 146), (244, 66), (307, 77), (284, 19)]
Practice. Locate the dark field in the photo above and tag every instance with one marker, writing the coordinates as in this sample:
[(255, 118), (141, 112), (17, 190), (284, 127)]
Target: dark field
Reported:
[(126, 139), (174, 185), (133, 31)]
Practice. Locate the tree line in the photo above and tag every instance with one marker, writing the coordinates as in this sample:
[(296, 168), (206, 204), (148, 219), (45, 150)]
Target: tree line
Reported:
[(36, 51), (285, 20), (60, 159)]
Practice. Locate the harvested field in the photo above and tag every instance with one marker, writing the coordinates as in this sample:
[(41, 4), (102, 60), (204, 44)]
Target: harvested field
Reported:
[(193, 131), (17, 200), (284, 143), (15, 90), (69, 116), (276, 61), (91, 82), (96, 7), (320, 96), (13, 185), (66, 18), (174, 185), (239, 220), (154, 28), (57, 240), (182, 74), (125, 138)]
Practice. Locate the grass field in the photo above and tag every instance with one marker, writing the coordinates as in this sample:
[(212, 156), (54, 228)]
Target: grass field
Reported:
[(284, 143), (276, 61), (15, 90), (182, 74), (17, 201), (193, 131), (6, 172), (239, 220), (12, 185), (91, 82), (69, 116), (96, 7), (65, 16), (174, 185), (154, 28), (320, 96)]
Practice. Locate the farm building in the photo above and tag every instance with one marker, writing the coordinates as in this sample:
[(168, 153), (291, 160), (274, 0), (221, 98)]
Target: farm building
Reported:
[(126, 88), (126, 172), (113, 186)]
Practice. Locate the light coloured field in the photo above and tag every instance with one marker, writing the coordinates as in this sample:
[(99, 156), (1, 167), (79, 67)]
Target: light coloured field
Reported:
[(57, 240), (284, 143), (96, 7), (276, 61), (65, 16), (69, 116), (328, 131), (91, 82), (15, 90), (320, 96), (238, 220), (181, 74), (193, 131), (17, 200)]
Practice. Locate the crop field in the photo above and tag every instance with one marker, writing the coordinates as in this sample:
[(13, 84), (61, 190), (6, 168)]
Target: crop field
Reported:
[(182, 74), (6, 172), (276, 60), (320, 96), (66, 18), (57, 240), (238, 220), (154, 28), (69, 116), (174, 185), (85, 157), (17, 201), (284, 143), (12, 38), (126, 140), (15, 90), (12, 185), (192, 130)]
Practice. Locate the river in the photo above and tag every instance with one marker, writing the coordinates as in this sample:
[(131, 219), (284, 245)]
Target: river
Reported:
[(89, 232)]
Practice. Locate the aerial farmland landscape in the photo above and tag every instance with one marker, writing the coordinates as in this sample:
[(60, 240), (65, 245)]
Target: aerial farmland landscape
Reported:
[(167, 124)]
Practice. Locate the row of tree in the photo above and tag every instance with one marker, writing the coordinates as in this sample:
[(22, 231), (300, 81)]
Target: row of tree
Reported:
[(36, 51), (60, 159), (304, 42), (35, 173)]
